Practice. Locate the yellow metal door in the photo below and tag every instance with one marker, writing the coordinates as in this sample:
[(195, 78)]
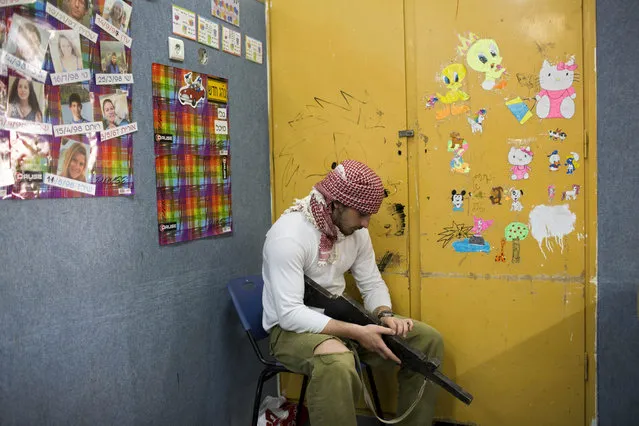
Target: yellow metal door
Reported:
[(513, 322), (511, 311), (338, 92)]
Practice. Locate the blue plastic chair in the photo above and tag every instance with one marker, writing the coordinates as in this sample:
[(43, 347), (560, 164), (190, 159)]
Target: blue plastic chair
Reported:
[(246, 293)]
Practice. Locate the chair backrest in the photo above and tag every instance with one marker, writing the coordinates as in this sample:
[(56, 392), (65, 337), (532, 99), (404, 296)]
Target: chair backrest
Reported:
[(246, 293)]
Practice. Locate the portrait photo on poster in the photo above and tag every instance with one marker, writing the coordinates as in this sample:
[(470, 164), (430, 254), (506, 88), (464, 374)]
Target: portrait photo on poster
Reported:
[(3, 97), (117, 13), (76, 104), (5, 152), (80, 10), (28, 40), (6, 174), (73, 162), (3, 32), (113, 57), (31, 157), (25, 100), (29, 152), (66, 51), (115, 110)]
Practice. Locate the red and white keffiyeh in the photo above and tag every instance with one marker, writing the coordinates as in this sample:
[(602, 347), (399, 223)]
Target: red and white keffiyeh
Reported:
[(351, 183)]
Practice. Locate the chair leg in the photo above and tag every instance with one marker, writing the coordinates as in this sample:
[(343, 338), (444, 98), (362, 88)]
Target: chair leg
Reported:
[(258, 396), (300, 404), (371, 381)]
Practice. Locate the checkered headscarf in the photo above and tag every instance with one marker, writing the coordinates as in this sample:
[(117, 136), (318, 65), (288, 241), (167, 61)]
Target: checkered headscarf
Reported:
[(351, 183)]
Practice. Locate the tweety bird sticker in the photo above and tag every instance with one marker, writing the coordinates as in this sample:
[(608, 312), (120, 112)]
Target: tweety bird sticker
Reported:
[(482, 55), (452, 77)]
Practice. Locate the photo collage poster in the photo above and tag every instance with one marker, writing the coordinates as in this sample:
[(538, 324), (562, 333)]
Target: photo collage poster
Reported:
[(192, 163), (66, 129)]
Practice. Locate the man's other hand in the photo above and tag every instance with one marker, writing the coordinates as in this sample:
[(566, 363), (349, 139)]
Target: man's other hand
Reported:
[(401, 326)]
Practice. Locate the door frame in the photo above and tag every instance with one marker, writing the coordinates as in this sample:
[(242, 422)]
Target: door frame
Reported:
[(590, 170)]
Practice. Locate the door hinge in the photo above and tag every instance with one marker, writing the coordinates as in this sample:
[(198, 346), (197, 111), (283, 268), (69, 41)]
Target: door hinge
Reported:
[(586, 144), (586, 366), (406, 133)]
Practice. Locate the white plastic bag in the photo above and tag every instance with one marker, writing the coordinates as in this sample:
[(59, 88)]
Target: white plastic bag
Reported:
[(277, 411)]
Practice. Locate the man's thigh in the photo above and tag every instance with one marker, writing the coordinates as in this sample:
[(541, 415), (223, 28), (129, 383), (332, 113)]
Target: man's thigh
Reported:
[(295, 350)]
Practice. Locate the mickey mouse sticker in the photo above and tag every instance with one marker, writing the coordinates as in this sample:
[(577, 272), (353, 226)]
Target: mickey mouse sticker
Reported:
[(458, 200)]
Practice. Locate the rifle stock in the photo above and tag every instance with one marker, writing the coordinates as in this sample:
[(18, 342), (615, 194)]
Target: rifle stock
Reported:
[(344, 308)]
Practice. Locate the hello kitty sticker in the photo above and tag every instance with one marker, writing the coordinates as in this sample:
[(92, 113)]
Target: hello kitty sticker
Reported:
[(520, 158), (556, 97)]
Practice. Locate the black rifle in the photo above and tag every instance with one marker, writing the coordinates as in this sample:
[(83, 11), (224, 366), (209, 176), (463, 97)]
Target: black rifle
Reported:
[(343, 308)]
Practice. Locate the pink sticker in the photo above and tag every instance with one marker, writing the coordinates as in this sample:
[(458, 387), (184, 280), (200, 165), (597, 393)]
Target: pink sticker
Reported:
[(556, 97), (520, 158)]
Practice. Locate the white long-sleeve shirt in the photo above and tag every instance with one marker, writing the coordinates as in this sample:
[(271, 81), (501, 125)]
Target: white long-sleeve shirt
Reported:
[(291, 250)]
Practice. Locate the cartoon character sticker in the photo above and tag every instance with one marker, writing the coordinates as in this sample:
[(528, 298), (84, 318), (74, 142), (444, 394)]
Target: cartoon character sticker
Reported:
[(466, 243), (501, 257), (475, 243), (458, 200), (557, 135), (556, 99), (520, 158), (193, 92), (555, 161), (515, 196), (496, 194), (571, 194), (477, 120), (572, 163), (452, 77), (458, 146), (478, 228), (482, 55), (431, 101), (551, 193)]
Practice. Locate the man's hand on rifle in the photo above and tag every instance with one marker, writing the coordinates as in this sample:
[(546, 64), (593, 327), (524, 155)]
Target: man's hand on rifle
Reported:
[(401, 326), (370, 337)]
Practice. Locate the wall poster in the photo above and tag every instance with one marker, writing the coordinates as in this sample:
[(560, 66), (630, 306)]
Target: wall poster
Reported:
[(192, 163), (65, 100)]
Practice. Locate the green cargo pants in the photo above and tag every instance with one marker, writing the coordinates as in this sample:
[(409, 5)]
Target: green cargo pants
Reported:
[(334, 386)]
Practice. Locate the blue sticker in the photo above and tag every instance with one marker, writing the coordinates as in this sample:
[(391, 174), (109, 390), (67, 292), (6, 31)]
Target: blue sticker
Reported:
[(465, 246), (519, 109)]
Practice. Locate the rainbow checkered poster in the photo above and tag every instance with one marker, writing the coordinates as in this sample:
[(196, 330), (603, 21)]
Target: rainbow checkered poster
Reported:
[(192, 163), (66, 129)]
